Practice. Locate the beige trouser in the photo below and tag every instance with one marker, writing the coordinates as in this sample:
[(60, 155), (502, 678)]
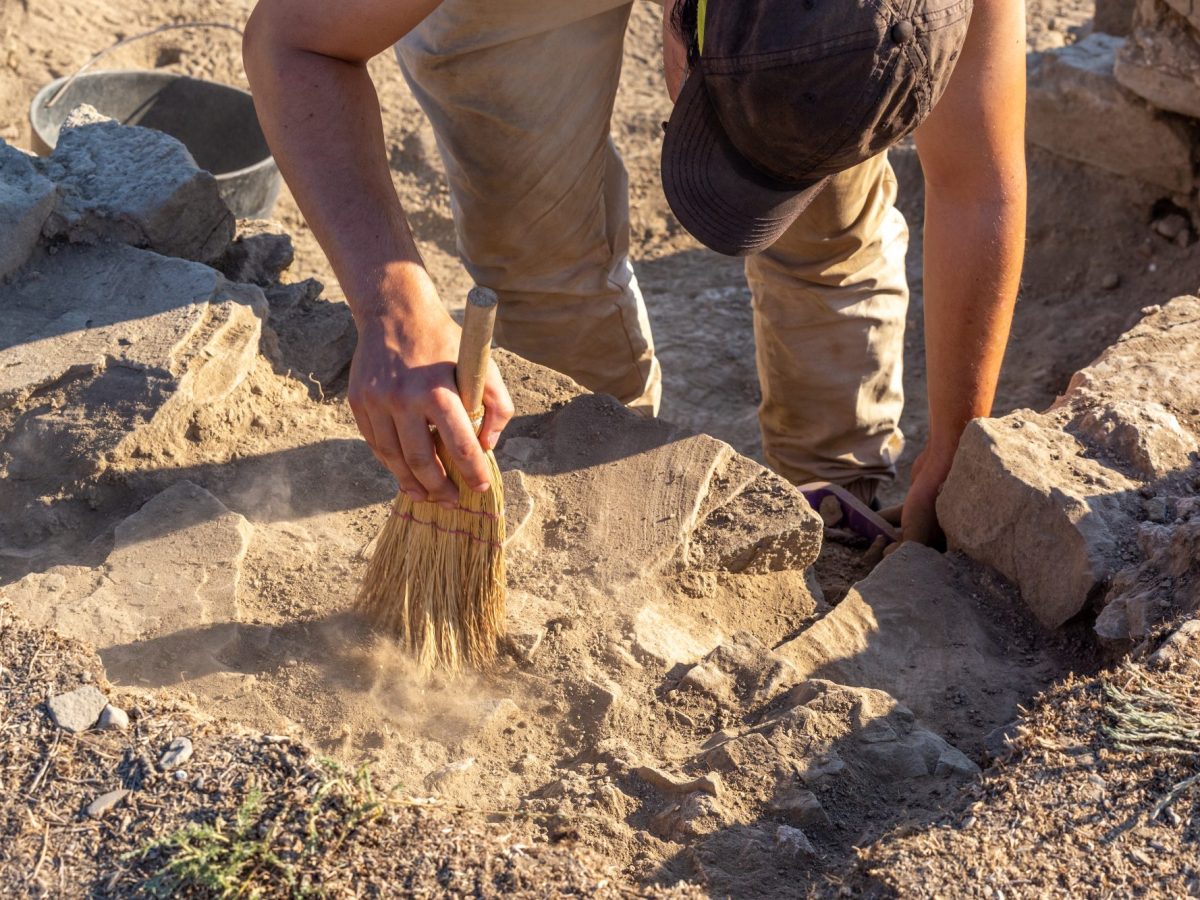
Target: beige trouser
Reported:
[(520, 95)]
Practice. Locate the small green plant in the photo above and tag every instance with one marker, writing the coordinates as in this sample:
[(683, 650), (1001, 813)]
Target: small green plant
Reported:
[(260, 852), (226, 860)]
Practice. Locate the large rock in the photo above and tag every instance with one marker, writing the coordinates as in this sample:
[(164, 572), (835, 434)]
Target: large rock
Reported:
[(1052, 500), (1079, 110), (26, 200), (1137, 406), (1023, 498), (164, 603), (669, 498), (136, 186), (914, 627), (1161, 59), (108, 350)]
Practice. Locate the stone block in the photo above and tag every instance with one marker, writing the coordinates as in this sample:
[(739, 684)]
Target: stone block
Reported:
[(260, 254), (1161, 59), (316, 337), (26, 200), (1078, 109), (1053, 500), (1024, 498), (1165, 583), (134, 186), (109, 351), (1146, 437)]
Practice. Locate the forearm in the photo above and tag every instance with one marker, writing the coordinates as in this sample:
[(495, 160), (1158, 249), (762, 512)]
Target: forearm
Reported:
[(974, 247), (321, 118)]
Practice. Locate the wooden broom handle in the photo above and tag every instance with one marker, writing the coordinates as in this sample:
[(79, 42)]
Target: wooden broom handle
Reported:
[(475, 349)]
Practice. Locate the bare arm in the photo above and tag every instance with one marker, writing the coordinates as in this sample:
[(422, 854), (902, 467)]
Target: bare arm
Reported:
[(306, 61), (972, 150)]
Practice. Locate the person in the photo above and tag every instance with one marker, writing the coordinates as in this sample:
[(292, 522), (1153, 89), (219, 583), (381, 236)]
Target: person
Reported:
[(776, 149)]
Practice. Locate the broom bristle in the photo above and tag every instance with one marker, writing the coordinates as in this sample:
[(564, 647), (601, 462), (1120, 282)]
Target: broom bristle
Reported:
[(436, 579)]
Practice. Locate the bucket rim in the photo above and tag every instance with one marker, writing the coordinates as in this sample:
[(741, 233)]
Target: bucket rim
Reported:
[(47, 90)]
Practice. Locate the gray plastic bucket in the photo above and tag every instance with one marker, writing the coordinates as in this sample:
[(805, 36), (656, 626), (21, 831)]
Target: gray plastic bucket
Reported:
[(216, 122)]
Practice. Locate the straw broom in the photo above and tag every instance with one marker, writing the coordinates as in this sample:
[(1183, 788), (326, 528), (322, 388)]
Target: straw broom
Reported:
[(436, 579)]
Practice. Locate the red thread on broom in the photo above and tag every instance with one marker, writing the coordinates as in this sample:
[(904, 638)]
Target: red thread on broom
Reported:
[(436, 527), (482, 513)]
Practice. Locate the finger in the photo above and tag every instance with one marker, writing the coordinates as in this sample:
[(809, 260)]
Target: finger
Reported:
[(421, 457), (498, 409), (388, 451), (462, 443)]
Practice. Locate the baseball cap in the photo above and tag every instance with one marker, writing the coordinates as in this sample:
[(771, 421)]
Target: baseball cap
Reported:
[(786, 93)]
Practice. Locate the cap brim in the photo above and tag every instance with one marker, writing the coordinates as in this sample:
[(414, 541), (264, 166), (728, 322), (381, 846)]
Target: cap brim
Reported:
[(717, 195)]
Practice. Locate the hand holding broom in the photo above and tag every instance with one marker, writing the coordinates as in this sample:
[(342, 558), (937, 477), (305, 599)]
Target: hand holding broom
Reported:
[(436, 580)]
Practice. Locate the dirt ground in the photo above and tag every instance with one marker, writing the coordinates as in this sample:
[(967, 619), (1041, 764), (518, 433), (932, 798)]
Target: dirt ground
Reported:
[(590, 709), (1065, 316)]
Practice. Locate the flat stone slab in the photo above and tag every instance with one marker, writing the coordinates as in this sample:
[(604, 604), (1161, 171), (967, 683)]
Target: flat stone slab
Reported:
[(110, 349), (669, 497), (165, 600)]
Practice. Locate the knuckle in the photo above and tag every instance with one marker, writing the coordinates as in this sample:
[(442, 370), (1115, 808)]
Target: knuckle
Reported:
[(422, 463)]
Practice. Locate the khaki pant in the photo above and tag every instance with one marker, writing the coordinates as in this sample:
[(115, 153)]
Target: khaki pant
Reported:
[(520, 95)]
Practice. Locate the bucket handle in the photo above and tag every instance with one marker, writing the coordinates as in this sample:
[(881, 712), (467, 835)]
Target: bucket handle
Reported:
[(171, 26)]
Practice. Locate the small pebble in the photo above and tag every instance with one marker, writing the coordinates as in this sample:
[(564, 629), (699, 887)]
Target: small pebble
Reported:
[(114, 717), (1170, 226), (1111, 281), (105, 802), (1156, 509), (177, 753), (180, 775)]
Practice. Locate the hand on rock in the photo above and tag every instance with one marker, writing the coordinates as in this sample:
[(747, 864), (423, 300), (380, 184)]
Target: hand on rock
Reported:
[(917, 518)]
